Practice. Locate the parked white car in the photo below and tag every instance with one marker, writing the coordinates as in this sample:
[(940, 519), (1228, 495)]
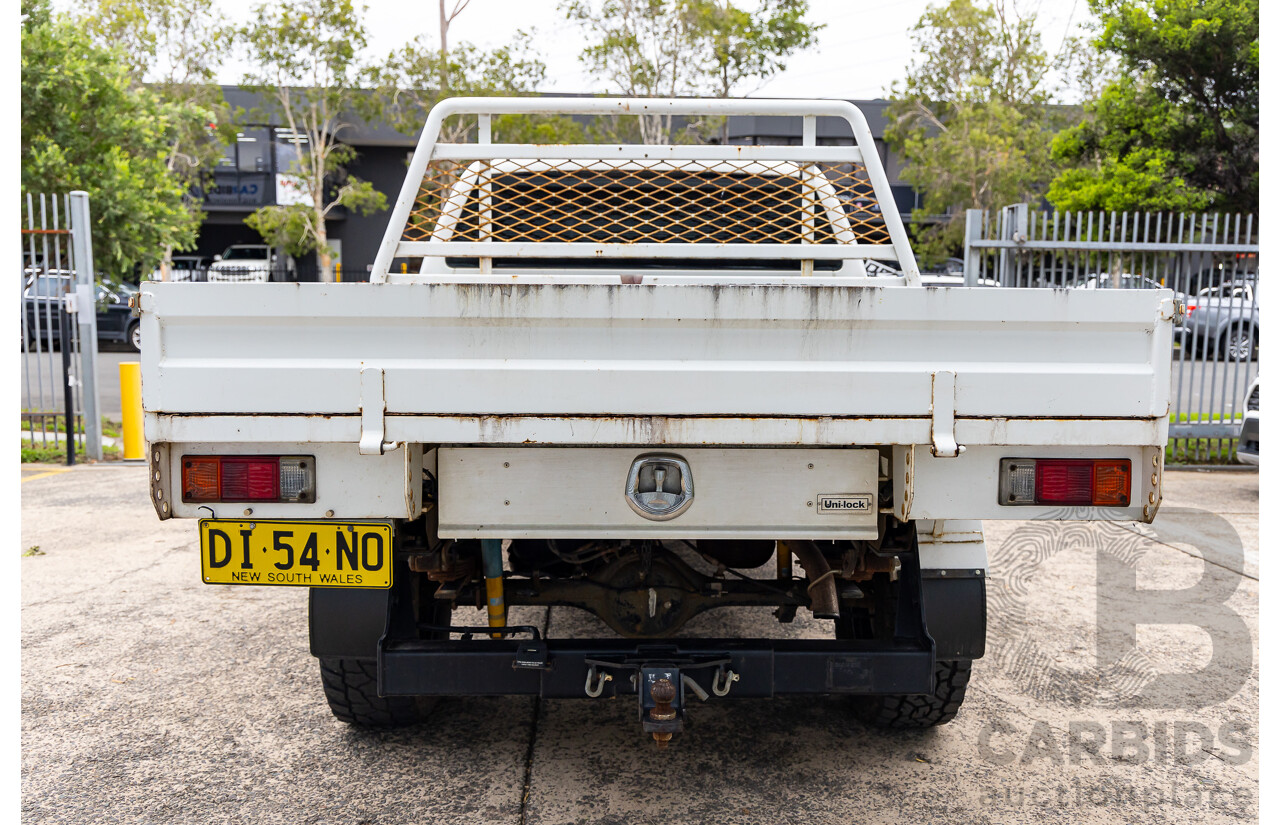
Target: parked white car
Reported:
[(937, 279), (253, 263), (1127, 281)]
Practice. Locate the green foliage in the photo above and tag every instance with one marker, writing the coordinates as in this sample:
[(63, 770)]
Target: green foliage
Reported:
[(1179, 128), (293, 227), (175, 47), (640, 48), (409, 85), (1141, 180), (307, 66), (973, 120), (669, 48), (86, 126), (740, 46), (290, 227)]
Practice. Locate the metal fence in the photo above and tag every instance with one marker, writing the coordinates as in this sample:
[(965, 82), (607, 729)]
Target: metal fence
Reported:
[(1210, 261), (59, 328), (207, 272)]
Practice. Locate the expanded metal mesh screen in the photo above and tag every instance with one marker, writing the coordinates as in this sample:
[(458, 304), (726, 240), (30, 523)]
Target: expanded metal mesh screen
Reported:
[(626, 202)]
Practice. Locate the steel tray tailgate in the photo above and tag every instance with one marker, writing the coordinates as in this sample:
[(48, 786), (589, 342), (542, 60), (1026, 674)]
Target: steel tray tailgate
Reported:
[(550, 353)]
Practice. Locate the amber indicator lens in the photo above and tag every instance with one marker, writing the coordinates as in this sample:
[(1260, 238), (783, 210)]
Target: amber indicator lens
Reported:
[(200, 479)]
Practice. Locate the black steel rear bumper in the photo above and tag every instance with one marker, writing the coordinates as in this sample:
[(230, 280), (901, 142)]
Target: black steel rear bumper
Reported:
[(372, 624), (765, 667)]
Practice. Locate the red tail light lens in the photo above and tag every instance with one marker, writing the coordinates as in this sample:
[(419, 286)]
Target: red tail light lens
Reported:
[(1064, 482), (1076, 482), (248, 478)]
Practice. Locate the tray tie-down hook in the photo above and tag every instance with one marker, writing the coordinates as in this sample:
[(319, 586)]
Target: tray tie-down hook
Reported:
[(723, 681), (599, 679)]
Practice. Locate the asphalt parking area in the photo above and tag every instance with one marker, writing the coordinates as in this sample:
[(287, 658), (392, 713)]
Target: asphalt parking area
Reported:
[(148, 696)]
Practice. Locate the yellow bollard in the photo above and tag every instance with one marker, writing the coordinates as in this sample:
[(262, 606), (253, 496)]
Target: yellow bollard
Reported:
[(135, 449), (337, 272)]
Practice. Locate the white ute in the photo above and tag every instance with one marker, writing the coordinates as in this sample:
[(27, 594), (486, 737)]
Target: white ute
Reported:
[(641, 380)]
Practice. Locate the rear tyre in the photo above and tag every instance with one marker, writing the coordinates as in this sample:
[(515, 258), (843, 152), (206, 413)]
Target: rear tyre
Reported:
[(351, 686), (134, 337), (950, 679)]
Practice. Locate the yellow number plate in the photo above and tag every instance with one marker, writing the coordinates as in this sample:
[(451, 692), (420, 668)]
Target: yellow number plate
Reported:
[(296, 553)]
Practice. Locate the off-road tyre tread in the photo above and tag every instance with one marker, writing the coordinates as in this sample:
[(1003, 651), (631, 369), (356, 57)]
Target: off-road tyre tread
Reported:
[(351, 686), (904, 711)]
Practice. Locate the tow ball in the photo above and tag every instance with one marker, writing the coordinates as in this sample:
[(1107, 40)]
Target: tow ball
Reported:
[(661, 703)]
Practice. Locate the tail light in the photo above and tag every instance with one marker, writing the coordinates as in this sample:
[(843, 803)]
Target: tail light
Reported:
[(208, 478), (1082, 482)]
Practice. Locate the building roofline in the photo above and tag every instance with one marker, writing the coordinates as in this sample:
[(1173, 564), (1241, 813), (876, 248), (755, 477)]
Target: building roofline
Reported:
[(363, 133)]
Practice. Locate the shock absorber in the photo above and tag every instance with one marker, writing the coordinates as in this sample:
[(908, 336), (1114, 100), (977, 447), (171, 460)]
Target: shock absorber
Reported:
[(491, 555)]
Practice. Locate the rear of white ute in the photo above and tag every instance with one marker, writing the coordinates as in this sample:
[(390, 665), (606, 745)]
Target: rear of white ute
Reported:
[(647, 382)]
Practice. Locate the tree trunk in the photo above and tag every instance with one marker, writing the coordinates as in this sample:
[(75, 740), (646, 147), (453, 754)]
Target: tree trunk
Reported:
[(444, 50), (323, 254), (166, 264)]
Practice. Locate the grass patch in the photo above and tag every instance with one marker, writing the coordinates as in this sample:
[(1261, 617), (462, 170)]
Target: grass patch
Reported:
[(35, 454), (1200, 451), (57, 423), (33, 550), (1209, 418)]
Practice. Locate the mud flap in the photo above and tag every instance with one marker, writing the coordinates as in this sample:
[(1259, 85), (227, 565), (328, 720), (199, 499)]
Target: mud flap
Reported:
[(955, 614)]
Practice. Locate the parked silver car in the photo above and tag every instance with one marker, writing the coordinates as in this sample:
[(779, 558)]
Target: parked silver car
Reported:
[(1222, 321)]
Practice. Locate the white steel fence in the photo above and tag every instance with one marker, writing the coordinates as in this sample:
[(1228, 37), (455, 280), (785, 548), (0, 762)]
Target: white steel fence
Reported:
[(1210, 261), (59, 327)]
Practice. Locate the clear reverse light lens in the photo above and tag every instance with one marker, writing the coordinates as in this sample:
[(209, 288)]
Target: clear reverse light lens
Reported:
[(297, 478), (1017, 481)]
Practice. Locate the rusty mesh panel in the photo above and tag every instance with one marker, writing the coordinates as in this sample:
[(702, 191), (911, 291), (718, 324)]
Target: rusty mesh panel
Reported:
[(686, 202)]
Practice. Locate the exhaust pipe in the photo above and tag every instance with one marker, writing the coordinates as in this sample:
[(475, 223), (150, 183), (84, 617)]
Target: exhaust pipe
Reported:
[(822, 579)]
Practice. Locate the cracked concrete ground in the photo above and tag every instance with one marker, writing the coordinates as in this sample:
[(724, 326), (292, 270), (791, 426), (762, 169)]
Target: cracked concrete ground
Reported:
[(148, 697)]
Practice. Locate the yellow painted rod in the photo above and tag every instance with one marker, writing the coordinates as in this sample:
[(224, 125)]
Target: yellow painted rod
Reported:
[(131, 409), (784, 560)]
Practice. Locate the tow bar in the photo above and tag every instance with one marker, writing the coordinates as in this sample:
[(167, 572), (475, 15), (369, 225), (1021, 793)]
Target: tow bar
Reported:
[(660, 688)]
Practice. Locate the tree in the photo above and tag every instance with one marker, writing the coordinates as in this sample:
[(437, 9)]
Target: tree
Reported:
[(740, 46), (307, 67), (641, 48), (175, 48), (1179, 128), (407, 86), (667, 48), (446, 20), (973, 119), (86, 126)]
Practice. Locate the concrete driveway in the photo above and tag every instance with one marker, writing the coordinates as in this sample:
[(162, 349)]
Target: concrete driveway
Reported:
[(150, 697)]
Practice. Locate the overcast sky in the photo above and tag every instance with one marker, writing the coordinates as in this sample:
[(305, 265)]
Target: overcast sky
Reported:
[(865, 46)]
